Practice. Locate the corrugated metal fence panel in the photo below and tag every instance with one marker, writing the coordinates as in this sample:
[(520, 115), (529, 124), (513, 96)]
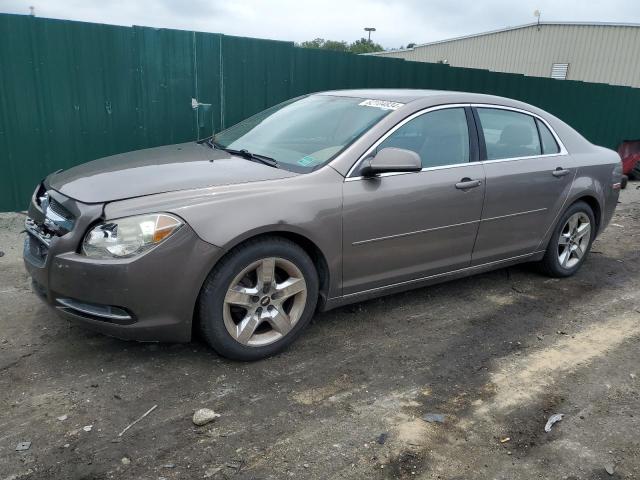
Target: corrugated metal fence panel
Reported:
[(54, 95), (208, 88), (314, 71), (166, 84), (76, 91), (72, 92), (14, 51), (256, 74)]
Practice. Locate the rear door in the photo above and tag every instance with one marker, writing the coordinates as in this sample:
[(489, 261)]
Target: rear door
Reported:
[(402, 227), (528, 175)]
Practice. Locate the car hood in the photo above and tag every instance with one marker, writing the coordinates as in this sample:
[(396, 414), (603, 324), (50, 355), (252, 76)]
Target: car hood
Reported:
[(157, 170)]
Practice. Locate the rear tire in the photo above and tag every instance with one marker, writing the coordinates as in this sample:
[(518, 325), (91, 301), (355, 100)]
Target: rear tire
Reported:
[(258, 299), (570, 242)]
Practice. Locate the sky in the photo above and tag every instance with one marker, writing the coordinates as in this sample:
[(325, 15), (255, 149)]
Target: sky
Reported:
[(397, 22)]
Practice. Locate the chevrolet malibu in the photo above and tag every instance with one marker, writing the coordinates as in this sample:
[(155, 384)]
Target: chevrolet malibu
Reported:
[(320, 201)]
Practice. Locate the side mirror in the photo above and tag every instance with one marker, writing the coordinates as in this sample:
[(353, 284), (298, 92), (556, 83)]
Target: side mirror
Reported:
[(391, 160)]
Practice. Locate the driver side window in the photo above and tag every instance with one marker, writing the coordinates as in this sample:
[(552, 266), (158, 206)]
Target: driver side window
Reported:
[(440, 137)]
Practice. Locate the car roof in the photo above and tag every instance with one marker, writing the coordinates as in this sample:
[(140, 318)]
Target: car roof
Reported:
[(415, 100), (402, 95), (425, 97)]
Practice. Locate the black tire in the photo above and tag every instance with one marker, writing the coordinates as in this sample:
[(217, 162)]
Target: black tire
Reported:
[(212, 296), (550, 264), (635, 172)]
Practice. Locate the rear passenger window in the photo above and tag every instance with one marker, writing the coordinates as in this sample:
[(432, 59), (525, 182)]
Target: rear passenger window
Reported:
[(549, 144), (508, 134), (440, 137)]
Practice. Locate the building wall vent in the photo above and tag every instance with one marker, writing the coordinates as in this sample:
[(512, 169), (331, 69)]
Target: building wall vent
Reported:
[(559, 71)]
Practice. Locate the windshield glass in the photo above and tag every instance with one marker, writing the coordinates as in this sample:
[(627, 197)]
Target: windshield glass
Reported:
[(303, 134)]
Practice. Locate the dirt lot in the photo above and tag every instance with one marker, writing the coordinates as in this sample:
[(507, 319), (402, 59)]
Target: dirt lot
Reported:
[(497, 354)]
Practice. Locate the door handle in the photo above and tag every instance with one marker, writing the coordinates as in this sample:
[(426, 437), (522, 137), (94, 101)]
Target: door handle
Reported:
[(466, 183), (560, 172)]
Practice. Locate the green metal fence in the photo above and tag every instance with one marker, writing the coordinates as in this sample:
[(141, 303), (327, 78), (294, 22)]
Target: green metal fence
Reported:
[(71, 91)]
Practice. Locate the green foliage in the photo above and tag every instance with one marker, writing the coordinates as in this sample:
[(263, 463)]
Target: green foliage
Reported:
[(323, 44), (365, 46), (337, 46), (359, 46), (315, 43)]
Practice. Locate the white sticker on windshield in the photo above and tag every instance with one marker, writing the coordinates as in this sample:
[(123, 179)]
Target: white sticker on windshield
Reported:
[(383, 104)]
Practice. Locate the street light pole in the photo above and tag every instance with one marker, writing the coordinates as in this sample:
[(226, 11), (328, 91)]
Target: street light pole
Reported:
[(369, 30)]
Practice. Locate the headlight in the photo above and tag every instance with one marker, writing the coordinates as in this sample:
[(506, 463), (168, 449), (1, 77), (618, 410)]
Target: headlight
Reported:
[(126, 237)]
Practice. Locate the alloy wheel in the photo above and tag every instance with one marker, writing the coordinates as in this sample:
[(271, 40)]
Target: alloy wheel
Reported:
[(574, 240), (264, 302)]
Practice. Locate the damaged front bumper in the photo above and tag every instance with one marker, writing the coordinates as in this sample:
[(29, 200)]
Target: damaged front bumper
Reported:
[(150, 297)]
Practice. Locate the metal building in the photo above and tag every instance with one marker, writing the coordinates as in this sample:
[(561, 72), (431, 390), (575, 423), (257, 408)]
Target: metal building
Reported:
[(592, 52)]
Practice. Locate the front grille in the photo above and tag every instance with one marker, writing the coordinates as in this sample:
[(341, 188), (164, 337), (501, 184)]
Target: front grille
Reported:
[(59, 210), (58, 220), (49, 217)]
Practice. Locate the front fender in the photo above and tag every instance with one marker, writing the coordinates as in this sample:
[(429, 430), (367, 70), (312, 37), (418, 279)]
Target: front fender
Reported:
[(308, 205)]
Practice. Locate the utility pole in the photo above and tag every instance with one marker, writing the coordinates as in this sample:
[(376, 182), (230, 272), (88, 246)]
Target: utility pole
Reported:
[(369, 30)]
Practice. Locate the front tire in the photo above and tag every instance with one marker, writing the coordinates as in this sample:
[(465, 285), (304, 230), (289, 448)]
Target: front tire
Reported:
[(570, 242), (258, 299)]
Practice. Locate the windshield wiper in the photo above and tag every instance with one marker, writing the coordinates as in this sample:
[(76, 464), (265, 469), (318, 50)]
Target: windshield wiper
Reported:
[(272, 162), (244, 153)]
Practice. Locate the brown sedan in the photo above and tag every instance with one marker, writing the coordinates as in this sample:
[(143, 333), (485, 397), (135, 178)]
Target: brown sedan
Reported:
[(320, 201)]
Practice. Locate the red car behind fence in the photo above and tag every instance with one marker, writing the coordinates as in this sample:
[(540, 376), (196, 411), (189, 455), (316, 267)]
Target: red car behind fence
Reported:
[(629, 152)]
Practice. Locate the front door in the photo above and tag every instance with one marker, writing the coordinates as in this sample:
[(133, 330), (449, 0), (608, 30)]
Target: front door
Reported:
[(528, 178), (402, 227)]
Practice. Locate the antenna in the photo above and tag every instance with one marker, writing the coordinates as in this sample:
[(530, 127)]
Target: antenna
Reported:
[(32, 11), (537, 14)]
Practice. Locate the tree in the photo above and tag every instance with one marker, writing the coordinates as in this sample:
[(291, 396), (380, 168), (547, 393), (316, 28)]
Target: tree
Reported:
[(365, 46), (341, 46), (359, 46), (322, 44), (315, 43)]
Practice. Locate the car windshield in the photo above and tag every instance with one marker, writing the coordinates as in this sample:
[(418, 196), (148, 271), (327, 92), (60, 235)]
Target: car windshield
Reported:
[(304, 133)]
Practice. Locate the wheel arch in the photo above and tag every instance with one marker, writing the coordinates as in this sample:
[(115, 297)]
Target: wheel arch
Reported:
[(586, 196), (595, 206), (318, 257)]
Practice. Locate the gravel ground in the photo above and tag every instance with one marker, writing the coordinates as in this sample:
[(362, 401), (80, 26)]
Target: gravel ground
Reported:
[(496, 354)]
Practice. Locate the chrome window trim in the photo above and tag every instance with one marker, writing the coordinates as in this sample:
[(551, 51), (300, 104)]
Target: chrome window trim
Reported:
[(426, 169), (513, 159), (563, 150), (392, 130)]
